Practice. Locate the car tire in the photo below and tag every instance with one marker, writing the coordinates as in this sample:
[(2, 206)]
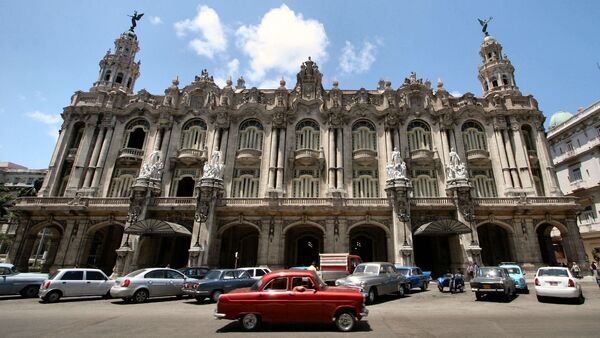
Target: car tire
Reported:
[(478, 295), (345, 321), (140, 296), (580, 299), (526, 290), (425, 285), (214, 296), (107, 295), (441, 288), (250, 322), (400, 291), (30, 291), (372, 295), (541, 299), (52, 297)]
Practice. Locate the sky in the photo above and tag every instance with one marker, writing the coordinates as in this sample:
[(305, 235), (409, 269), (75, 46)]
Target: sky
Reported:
[(50, 49)]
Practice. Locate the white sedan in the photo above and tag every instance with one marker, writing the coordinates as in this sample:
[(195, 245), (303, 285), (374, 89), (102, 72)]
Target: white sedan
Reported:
[(557, 282)]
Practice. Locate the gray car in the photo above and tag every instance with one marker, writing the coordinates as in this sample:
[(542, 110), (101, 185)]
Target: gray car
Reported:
[(75, 283), (23, 283), (142, 284), (375, 279)]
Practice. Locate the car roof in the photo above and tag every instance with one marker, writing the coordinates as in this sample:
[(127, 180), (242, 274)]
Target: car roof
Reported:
[(292, 273), (553, 267), (6, 265), (79, 269), (398, 266), (502, 265)]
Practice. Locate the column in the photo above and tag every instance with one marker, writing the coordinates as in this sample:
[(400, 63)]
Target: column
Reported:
[(273, 158), (499, 145), (331, 159), (93, 161), (511, 160), (396, 138), (280, 159), (102, 158), (521, 157), (340, 159)]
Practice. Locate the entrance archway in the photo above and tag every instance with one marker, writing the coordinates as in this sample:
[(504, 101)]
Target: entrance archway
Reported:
[(42, 246), (370, 243), (551, 246), (303, 245), (100, 248), (157, 250), (432, 253), (494, 243), (240, 239)]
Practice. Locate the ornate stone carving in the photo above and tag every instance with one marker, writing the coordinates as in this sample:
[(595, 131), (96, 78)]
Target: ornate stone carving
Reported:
[(397, 168), (455, 170), (152, 168), (213, 168)]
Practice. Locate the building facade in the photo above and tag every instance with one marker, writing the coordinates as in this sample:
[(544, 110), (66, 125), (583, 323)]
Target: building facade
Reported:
[(575, 149), (14, 177), (239, 176)]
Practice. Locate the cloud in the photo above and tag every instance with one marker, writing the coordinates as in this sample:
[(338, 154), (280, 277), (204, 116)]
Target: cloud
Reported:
[(50, 120), (155, 20), (207, 24), (231, 69), (352, 61), (281, 42), (39, 95)]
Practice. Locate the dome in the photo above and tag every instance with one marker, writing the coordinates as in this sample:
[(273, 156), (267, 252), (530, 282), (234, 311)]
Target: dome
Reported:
[(559, 118)]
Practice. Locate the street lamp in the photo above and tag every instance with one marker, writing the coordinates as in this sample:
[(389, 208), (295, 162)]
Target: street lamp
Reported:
[(470, 217), (405, 218)]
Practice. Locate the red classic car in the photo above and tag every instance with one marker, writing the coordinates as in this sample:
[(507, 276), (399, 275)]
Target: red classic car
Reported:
[(293, 296)]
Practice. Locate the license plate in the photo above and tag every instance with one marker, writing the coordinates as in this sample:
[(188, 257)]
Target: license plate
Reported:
[(487, 286), (553, 283)]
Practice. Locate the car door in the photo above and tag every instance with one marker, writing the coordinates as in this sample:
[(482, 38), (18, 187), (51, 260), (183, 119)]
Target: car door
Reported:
[(72, 283), (272, 301), (175, 282), (96, 283), (392, 284), (304, 301), (229, 280), (5, 281), (157, 283)]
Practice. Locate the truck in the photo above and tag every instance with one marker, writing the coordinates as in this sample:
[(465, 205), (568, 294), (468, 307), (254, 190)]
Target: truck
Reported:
[(337, 265)]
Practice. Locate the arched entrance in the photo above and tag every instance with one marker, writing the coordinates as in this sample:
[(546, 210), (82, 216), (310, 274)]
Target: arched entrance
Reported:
[(240, 239), (303, 245), (41, 247), (432, 253), (369, 242), (494, 243), (101, 244), (161, 243), (551, 246)]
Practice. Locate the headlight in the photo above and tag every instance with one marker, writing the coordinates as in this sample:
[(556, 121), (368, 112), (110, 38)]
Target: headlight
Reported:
[(362, 284), (337, 283)]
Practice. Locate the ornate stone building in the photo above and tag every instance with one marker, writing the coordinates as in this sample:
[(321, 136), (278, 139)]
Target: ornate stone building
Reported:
[(245, 176)]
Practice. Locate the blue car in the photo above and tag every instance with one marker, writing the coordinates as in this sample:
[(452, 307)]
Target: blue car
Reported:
[(518, 276)]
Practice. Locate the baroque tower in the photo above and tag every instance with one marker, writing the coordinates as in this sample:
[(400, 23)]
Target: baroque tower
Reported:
[(497, 74), (119, 70)]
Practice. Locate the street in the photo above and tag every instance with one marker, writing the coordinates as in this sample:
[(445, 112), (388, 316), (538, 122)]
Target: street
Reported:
[(423, 314)]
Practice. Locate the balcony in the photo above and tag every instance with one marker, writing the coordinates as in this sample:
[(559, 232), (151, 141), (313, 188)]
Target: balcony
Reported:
[(248, 156), (131, 154), (422, 156), (308, 157), (478, 156), (71, 154), (364, 156), (192, 156)]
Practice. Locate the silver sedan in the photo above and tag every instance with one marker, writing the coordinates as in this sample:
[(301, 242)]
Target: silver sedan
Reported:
[(142, 284)]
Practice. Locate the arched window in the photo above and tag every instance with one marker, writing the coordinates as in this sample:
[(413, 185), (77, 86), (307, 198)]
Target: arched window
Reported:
[(306, 183), (419, 135), (424, 183), (120, 185), (494, 82), (483, 182), (505, 80), (119, 78), (185, 187), (365, 183), (251, 135), (194, 135), (308, 135), (364, 136), (245, 183), (129, 82), (135, 133), (107, 75), (473, 136)]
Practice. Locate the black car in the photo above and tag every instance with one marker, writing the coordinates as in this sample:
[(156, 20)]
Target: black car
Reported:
[(197, 272), (217, 282)]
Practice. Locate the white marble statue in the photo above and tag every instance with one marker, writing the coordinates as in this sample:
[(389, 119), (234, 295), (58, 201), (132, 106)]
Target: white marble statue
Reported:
[(397, 168), (456, 169), (152, 168), (213, 168)]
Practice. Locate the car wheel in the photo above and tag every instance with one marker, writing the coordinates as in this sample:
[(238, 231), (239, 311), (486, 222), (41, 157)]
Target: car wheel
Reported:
[(250, 322), (372, 296), (526, 290), (345, 321), (107, 295), (400, 291), (478, 295), (30, 291), (140, 296), (52, 297), (441, 288), (215, 295), (424, 286), (541, 299), (580, 299)]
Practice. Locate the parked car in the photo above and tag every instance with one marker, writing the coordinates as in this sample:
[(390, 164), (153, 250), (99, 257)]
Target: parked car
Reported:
[(293, 296), (415, 277), (557, 282), (142, 284), (218, 282), (74, 283), (197, 272), (517, 274), (14, 282), (257, 272), (493, 280), (337, 265), (376, 279)]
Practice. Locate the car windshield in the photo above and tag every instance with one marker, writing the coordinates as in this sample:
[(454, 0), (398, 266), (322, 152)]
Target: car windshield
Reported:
[(513, 270), (403, 272), (367, 269), (553, 272), (215, 274), (52, 275), (135, 273), (489, 273)]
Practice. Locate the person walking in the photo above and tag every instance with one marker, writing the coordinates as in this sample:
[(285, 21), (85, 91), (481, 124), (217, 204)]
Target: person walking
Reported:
[(312, 267), (594, 267), (576, 270)]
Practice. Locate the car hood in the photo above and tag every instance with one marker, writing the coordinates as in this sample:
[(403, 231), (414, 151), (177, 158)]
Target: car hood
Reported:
[(32, 275), (357, 279), (341, 289)]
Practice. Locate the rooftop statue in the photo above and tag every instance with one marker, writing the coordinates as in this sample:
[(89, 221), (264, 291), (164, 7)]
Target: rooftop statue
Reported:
[(134, 19), (484, 24)]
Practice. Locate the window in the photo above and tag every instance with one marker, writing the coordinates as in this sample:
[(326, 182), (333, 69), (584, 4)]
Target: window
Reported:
[(305, 282), (260, 272), (120, 185), (135, 133), (155, 274), (4, 271), (174, 275), (242, 274), (419, 135), (251, 135), (107, 75), (504, 80), (587, 215), (306, 183), (308, 135), (229, 275), (576, 174), (119, 78), (424, 183), (569, 146), (72, 275), (245, 183), (94, 275), (194, 135), (129, 83), (527, 133), (277, 284), (483, 182), (364, 136), (473, 136), (365, 183)]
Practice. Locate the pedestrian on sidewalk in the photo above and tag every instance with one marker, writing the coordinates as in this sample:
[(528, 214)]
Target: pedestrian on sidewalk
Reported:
[(594, 267), (575, 270)]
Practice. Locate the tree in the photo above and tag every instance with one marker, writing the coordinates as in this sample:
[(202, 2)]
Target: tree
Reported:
[(31, 191), (6, 202)]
